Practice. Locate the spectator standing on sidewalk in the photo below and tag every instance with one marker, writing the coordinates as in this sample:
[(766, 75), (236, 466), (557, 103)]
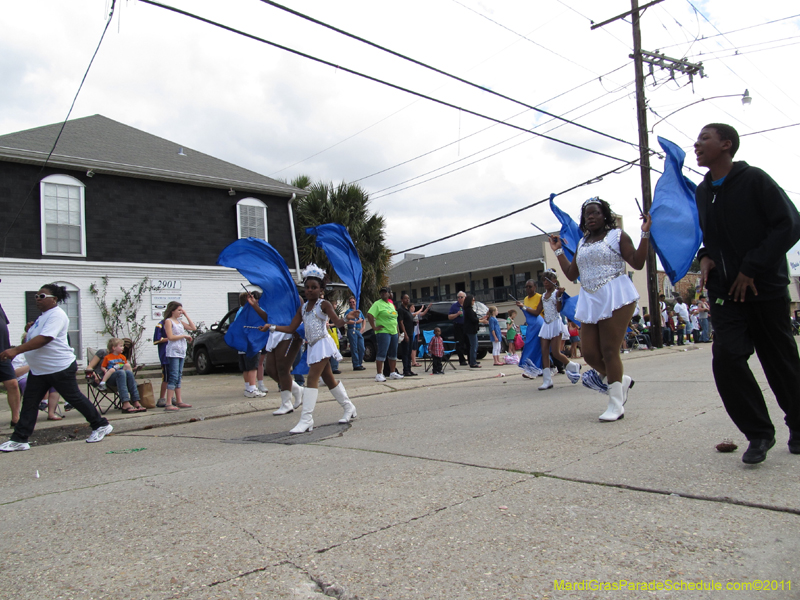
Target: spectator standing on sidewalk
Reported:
[(354, 321), (702, 318), (457, 317), (748, 224), (7, 376)]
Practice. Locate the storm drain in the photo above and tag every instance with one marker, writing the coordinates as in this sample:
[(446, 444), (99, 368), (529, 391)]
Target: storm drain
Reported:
[(320, 433)]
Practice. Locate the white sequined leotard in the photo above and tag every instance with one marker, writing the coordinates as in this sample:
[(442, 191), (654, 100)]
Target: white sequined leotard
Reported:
[(604, 284), (320, 344)]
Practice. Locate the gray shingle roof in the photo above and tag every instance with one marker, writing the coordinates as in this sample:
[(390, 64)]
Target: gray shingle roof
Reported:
[(482, 258), (107, 146)]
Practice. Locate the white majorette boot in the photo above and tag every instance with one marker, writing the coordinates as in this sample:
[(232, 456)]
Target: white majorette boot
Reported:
[(297, 392), (573, 370), (341, 397), (547, 375), (286, 403), (627, 384), (615, 400), (307, 418)]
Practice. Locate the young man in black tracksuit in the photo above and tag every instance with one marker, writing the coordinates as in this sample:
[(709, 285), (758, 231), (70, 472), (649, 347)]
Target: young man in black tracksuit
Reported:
[(749, 224)]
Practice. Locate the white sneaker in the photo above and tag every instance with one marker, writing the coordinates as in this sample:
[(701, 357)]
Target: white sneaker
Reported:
[(395, 376), (254, 394), (10, 446), (101, 385), (262, 387), (380, 378), (99, 433)]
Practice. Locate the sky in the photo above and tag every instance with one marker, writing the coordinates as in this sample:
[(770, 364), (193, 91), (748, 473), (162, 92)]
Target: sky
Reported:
[(431, 170)]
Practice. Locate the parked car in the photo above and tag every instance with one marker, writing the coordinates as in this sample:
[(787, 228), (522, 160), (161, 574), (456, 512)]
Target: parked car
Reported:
[(209, 349), (437, 317)]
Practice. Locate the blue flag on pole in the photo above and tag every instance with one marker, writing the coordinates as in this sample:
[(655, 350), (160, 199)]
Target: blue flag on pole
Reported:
[(568, 304), (261, 265), (342, 254), (570, 232), (530, 360), (675, 233)]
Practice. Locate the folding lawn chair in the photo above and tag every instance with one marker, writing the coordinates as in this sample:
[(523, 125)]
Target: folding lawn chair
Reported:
[(449, 348)]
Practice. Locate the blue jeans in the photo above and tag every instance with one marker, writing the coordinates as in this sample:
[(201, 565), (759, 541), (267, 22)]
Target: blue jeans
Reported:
[(705, 328), (473, 348), (174, 372), (66, 385), (387, 346), (126, 385), (356, 341)]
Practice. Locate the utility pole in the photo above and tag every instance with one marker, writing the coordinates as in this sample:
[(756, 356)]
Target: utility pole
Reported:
[(656, 336), (673, 65)]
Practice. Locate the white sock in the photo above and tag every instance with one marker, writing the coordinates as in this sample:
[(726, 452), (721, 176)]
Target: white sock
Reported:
[(250, 388)]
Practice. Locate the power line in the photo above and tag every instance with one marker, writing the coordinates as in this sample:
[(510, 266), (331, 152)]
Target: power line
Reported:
[(373, 79), (596, 179), (61, 130), (441, 72), (751, 62), (487, 128), (708, 37), (767, 130), (485, 157)]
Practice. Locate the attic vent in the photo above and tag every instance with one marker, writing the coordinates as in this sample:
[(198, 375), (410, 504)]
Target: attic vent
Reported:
[(181, 152)]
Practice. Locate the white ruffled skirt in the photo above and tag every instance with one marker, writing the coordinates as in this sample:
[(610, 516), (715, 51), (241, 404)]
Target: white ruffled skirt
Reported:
[(551, 330), (594, 307), (275, 338), (324, 348)]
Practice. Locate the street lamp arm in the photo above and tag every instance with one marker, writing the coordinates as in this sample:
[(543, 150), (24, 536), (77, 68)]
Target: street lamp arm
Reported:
[(745, 100)]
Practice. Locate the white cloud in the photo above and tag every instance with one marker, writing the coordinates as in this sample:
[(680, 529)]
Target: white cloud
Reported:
[(265, 109)]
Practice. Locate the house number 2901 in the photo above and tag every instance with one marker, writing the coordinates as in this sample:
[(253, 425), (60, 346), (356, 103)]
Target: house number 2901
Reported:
[(166, 284)]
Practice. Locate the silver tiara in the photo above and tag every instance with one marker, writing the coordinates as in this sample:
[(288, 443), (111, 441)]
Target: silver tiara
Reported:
[(313, 270), (594, 200)]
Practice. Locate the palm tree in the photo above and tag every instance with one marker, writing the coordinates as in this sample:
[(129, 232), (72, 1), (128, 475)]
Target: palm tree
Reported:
[(348, 205)]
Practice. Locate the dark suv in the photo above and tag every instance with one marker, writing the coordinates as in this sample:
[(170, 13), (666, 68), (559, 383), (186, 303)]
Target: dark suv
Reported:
[(437, 317)]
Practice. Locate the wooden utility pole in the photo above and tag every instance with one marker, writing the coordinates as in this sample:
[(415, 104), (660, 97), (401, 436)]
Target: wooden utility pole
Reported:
[(672, 65), (644, 165)]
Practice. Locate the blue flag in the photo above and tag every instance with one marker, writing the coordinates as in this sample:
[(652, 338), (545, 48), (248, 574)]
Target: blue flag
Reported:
[(570, 232), (261, 265), (342, 254), (530, 360), (568, 304), (675, 233)]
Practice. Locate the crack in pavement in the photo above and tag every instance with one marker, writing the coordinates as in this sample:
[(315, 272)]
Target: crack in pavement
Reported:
[(622, 486)]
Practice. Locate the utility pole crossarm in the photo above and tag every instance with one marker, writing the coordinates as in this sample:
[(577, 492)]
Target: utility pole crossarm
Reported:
[(623, 15)]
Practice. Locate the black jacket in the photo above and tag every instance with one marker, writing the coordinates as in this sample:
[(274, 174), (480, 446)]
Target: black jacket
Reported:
[(471, 321), (749, 224)]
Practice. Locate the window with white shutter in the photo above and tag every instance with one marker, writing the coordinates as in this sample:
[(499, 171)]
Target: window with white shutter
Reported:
[(252, 218)]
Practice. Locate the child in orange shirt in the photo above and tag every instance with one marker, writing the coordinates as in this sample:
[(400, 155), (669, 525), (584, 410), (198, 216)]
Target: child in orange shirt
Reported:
[(113, 361)]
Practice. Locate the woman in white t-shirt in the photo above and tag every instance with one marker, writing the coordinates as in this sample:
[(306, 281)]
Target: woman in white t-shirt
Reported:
[(52, 364)]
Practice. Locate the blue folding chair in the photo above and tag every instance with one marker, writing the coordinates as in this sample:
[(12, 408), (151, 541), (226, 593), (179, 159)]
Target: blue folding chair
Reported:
[(427, 359)]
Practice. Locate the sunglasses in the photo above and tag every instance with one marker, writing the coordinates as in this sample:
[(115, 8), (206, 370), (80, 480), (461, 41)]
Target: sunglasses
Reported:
[(43, 296)]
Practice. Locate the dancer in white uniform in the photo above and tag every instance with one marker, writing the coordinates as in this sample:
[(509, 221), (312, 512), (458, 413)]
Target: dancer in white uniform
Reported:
[(314, 315), (608, 297), (282, 349), (550, 333)]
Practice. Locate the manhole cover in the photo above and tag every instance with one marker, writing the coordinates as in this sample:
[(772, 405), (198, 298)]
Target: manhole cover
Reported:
[(320, 433)]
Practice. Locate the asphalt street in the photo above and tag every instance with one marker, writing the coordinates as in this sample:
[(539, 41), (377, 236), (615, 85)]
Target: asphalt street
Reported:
[(468, 485)]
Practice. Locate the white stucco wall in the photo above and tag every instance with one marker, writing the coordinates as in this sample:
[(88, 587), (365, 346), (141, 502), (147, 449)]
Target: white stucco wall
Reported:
[(203, 293)]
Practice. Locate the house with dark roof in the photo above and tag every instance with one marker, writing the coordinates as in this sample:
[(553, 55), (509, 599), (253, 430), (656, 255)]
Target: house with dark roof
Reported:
[(101, 198), (493, 273)]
